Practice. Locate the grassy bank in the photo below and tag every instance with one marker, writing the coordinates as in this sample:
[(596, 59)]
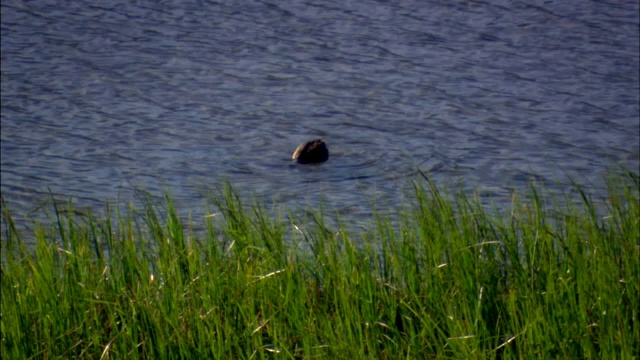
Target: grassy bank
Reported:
[(542, 279)]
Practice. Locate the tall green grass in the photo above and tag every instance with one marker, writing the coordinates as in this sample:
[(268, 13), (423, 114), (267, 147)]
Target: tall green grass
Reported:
[(448, 279)]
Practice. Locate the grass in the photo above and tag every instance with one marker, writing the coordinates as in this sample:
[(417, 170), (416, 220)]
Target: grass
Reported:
[(449, 279)]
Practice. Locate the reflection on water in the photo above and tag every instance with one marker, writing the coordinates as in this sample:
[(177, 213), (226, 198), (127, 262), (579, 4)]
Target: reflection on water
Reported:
[(100, 98)]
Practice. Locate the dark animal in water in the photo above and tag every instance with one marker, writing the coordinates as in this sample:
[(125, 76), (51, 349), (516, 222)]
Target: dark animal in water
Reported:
[(314, 151)]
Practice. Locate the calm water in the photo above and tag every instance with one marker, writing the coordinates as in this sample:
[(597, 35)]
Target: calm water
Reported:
[(102, 97)]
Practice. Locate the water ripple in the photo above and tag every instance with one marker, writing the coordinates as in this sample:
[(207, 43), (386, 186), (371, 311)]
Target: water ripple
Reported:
[(101, 97)]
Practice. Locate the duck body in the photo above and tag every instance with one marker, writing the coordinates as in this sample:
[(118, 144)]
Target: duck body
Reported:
[(311, 152)]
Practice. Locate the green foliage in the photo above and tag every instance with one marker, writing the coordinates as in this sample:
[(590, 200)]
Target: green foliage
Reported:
[(448, 279)]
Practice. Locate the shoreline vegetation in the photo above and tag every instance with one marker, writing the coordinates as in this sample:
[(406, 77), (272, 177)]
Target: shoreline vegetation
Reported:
[(447, 279)]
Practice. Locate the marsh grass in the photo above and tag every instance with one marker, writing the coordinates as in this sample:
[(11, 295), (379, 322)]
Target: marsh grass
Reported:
[(447, 279)]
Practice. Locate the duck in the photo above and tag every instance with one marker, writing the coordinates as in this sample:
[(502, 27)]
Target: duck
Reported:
[(311, 152)]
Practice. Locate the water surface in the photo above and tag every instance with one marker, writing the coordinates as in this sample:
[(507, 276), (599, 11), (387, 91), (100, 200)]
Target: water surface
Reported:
[(102, 97)]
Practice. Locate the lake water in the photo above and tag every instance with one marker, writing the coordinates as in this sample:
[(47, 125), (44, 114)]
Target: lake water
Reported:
[(103, 97)]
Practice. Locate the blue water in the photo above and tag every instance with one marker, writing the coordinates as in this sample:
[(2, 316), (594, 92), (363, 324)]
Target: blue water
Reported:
[(103, 97)]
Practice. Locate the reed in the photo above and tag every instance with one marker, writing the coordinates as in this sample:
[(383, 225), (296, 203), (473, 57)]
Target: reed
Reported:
[(447, 278)]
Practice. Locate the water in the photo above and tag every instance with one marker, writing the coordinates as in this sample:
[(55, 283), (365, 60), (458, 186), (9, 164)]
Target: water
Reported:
[(103, 97)]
